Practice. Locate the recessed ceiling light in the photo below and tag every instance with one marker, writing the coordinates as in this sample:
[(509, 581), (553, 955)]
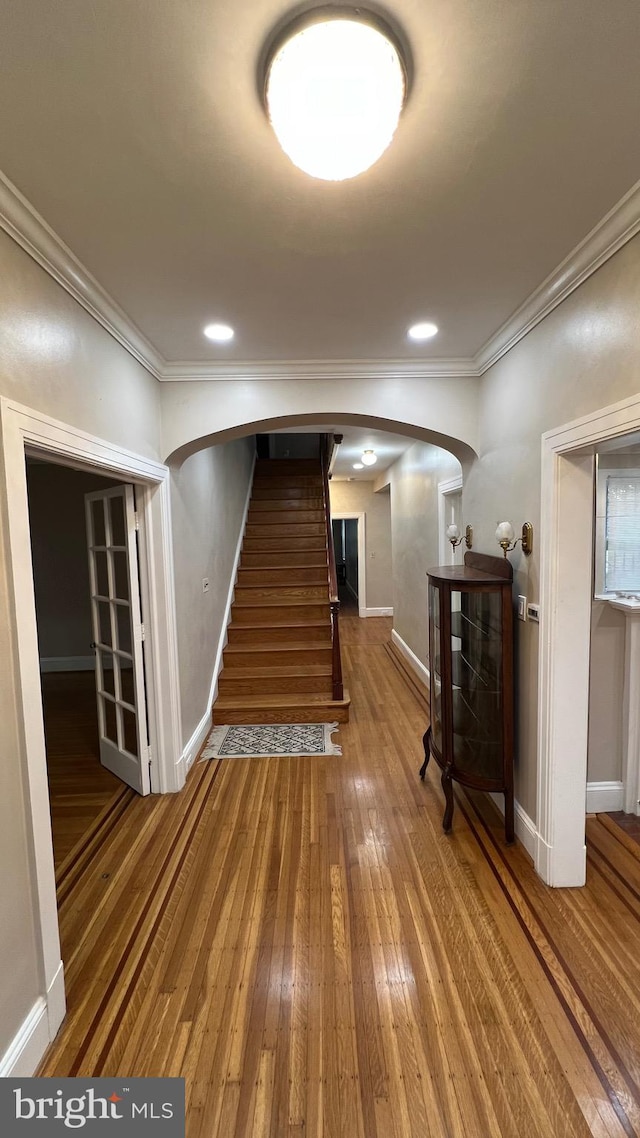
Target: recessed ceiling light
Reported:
[(334, 91), (220, 333), (369, 457), (423, 331), (358, 466)]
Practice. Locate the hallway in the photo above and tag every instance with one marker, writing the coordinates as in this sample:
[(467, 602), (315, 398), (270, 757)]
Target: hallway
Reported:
[(300, 941)]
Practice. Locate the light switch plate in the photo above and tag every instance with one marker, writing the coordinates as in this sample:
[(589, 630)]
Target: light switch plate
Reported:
[(522, 608)]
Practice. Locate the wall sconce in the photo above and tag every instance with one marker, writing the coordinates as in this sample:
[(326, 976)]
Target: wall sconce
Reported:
[(453, 533), (505, 537)]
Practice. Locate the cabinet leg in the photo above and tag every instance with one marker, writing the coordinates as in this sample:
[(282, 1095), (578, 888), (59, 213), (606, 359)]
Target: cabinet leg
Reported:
[(509, 828), (427, 752), (447, 786)]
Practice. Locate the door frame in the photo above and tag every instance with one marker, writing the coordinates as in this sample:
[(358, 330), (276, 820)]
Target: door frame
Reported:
[(566, 591), (24, 430), (448, 486), (347, 516)]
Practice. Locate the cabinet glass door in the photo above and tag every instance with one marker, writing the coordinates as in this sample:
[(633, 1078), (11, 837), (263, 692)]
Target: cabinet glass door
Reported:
[(435, 666), (476, 673)]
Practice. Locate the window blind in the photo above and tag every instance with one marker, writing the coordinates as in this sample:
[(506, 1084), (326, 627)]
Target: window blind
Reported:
[(622, 530)]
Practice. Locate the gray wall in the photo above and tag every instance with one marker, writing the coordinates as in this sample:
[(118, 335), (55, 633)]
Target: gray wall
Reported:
[(414, 482), (358, 497), (59, 551), (584, 355), (208, 497)]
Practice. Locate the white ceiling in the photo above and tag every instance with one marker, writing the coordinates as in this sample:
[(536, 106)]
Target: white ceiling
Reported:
[(388, 448), (136, 131)]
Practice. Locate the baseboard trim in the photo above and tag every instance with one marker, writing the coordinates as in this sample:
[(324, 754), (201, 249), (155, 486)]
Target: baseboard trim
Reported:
[(28, 1045), (419, 668), (604, 796), (187, 758), (526, 830), (375, 612), (67, 663)]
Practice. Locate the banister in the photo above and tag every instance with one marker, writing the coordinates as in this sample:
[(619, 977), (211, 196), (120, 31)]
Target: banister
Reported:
[(334, 602)]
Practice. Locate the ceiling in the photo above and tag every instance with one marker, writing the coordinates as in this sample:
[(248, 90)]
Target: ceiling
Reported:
[(388, 448), (137, 132)]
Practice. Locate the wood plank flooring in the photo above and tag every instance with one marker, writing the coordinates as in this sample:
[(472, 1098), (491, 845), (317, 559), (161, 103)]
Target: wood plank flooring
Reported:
[(300, 941), (79, 787)]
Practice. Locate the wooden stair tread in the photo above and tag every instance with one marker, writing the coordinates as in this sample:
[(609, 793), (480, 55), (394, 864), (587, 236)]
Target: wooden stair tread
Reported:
[(283, 646), (280, 624), (292, 699), (277, 670), (279, 602)]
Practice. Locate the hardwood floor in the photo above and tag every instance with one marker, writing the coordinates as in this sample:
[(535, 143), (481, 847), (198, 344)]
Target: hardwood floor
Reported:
[(79, 787), (300, 941)]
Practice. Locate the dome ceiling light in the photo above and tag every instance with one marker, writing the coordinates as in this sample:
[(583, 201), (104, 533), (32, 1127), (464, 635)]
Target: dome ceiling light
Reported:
[(369, 457), (334, 90)]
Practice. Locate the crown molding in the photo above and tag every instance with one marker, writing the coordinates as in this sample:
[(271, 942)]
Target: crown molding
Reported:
[(317, 369), (618, 226), (22, 222), (25, 225)]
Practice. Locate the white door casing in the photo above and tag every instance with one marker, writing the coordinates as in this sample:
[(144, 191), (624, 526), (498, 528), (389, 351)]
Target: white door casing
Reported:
[(449, 503), (26, 430), (118, 634)]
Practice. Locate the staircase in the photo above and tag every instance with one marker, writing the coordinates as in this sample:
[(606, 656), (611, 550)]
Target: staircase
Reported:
[(279, 665)]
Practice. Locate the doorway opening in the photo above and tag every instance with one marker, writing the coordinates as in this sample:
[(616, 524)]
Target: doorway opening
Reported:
[(87, 660)]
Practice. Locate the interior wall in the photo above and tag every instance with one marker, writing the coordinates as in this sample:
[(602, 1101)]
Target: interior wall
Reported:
[(414, 482), (57, 359), (351, 555), (60, 563), (208, 497), (358, 497), (583, 356)]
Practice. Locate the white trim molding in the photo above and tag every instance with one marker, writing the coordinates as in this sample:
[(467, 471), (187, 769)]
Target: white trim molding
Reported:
[(25, 225), (361, 519), (28, 1045), (25, 430), (419, 668), (604, 796), (375, 612), (198, 737), (447, 486), (525, 827), (566, 528)]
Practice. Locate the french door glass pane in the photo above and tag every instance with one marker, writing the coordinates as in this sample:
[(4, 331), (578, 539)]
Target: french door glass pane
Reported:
[(97, 517), (123, 621), (118, 525)]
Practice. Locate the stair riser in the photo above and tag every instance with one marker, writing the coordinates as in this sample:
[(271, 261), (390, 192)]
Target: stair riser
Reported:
[(293, 505), (281, 479), (280, 594), (312, 634), (282, 715), (316, 560), (274, 685), (271, 492), (297, 465), (271, 578), (286, 547), (279, 614), (320, 653), (285, 517), (287, 531)]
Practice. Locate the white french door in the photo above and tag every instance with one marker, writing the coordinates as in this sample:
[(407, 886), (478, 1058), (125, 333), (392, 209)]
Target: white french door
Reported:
[(118, 634)]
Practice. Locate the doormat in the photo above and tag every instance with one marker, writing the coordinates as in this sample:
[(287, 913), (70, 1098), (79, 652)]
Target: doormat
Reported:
[(261, 741)]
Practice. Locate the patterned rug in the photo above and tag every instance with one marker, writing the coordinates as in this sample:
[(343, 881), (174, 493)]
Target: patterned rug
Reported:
[(261, 741)]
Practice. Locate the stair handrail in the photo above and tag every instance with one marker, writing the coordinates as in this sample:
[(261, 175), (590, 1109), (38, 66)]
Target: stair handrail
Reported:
[(326, 446)]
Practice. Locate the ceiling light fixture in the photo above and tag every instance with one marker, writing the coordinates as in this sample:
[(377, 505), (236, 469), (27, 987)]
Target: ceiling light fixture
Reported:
[(368, 457), (335, 87), (220, 333), (424, 331), (358, 466)]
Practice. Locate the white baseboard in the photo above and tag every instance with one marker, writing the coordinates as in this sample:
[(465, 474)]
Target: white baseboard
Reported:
[(604, 796), (199, 735), (375, 612), (28, 1044), (195, 742), (67, 663), (419, 668), (526, 829)]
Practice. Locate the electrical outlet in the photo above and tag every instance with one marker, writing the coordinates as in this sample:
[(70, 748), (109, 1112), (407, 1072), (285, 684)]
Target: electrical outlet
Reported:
[(522, 608), (533, 612), (205, 584)]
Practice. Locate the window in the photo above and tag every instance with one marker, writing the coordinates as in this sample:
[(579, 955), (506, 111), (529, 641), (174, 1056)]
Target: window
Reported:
[(617, 548)]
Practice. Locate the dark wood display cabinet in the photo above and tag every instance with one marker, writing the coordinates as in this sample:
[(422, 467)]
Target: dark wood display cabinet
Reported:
[(471, 662)]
